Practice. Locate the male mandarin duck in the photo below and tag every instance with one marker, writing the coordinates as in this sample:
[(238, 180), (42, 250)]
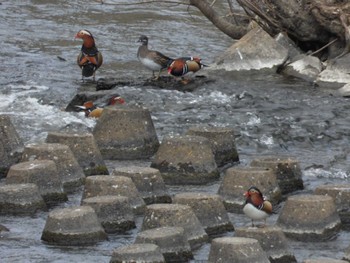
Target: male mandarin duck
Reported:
[(151, 59), (256, 207), (89, 59), (181, 66), (93, 111)]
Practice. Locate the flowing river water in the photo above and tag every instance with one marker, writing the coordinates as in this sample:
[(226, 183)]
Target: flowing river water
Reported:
[(271, 114)]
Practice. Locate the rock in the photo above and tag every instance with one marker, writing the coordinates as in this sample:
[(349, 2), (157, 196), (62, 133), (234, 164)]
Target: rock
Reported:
[(236, 250), (73, 226), (186, 160), (309, 218), (114, 212), (272, 240), (255, 51), (20, 199), (99, 185), (11, 145), (307, 68), (209, 210), (44, 174), (126, 133), (324, 260), (336, 73), (293, 51), (345, 90), (145, 253), (85, 150), (237, 180), (341, 196), (222, 140), (287, 170), (172, 242), (148, 181), (69, 171), (160, 215)]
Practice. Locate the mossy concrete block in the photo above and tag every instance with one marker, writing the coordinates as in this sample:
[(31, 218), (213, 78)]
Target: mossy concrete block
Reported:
[(73, 226), (237, 180), (126, 133), (148, 181), (20, 199), (85, 150), (99, 185), (186, 160), (11, 145), (209, 209), (309, 218)]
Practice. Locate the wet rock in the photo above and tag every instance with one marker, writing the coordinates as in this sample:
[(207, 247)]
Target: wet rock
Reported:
[(209, 210), (307, 68), (85, 150), (236, 250), (44, 174), (336, 73), (345, 90), (341, 196), (288, 172), (73, 226), (237, 180), (4, 229), (146, 253), (68, 169), (114, 212), (255, 51), (148, 182), (11, 145), (20, 199), (160, 215), (293, 51), (172, 242), (309, 218), (186, 160), (272, 240), (324, 260), (126, 133), (222, 140), (99, 185), (347, 254)]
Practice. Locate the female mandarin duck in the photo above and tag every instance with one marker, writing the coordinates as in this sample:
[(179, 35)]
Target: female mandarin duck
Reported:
[(151, 59), (89, 59), (92, 111), (256, 207), (181, 66)]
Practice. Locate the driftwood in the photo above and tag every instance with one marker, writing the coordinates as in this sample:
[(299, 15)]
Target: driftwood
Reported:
[(312, 24)]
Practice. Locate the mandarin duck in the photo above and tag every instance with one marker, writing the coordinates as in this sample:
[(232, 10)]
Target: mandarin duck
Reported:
[(89, 59), (181, 66), (256, 207), (151, 59), (93, 111)]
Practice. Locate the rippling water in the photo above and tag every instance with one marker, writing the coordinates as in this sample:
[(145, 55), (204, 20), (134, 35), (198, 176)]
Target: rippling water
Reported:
[(271, 114)]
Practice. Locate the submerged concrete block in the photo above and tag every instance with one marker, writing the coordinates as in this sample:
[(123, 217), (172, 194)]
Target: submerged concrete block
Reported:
[(85, 150), (114, 212), (288, 172), (126, 133), (148, 181), (209, 209), (11, 145), (309, 218), (20, 199), (145, 253), (160, 215), (99, 185), (68, 169), (44, 174), (222, 140), (73, 226), (186, 160), (236, 250), (172, 242), (237, 180)]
